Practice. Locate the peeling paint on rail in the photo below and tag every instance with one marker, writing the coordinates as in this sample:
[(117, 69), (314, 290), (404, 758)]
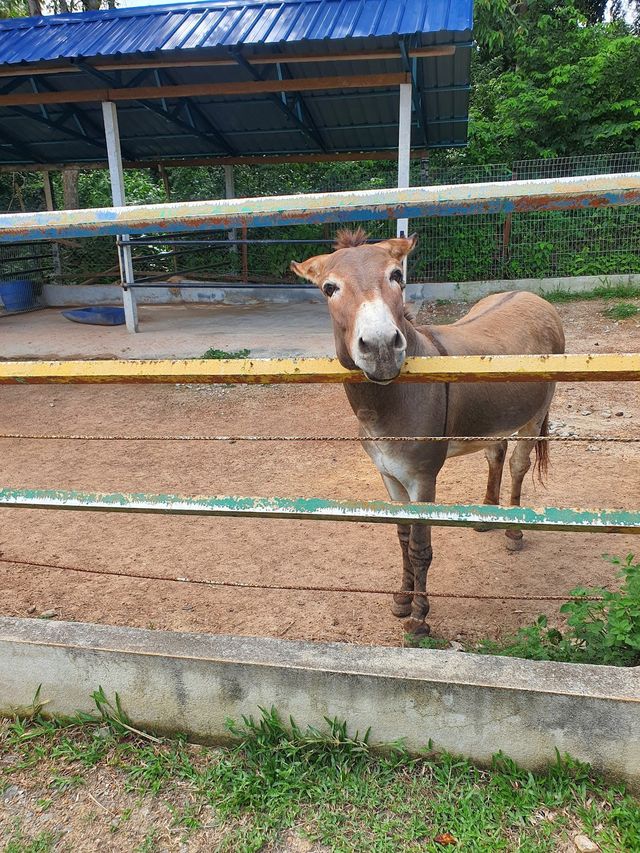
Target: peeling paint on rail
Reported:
[(354, 206), (318, 509), (521, 368)]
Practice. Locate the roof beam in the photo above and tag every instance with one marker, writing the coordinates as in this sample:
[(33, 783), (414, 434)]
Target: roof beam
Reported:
[(242, 160), (172, 116), (82, 120), (18, 147), (309, 130), (193, 110), (67, 131), (303, 109), (255, 59), (194, 90)]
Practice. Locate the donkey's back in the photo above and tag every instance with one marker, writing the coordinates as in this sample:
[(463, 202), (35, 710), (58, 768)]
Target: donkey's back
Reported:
[(513, 323)]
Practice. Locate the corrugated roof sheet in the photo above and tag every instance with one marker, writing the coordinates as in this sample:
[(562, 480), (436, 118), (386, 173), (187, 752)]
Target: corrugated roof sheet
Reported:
[(362, 120), (223, 24)]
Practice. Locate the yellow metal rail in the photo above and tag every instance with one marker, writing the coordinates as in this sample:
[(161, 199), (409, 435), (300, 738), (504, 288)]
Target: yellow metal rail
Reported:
[(473, 368)]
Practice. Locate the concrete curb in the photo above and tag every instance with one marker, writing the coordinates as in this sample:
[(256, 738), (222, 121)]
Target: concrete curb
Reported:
[(467, 704)]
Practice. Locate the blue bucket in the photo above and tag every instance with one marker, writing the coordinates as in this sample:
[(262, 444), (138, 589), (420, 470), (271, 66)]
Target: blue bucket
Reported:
[(17, 295)]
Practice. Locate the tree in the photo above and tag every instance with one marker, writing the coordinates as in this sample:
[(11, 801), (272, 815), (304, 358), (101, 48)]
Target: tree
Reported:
[(550, 84)]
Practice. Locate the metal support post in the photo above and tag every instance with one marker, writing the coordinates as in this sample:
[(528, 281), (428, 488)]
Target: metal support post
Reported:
[(404, 152), (114, 154), (230, 192)]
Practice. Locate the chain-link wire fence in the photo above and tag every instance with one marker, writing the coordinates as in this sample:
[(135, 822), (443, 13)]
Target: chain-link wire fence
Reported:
[(542, 244), (24, 267)]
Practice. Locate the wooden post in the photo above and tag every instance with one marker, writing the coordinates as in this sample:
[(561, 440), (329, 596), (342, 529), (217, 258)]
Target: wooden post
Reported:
[(245, 254), (164, 174), (230, 192), (50, 204)]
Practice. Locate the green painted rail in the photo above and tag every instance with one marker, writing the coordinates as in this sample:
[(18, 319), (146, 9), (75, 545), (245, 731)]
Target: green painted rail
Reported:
[(316, 509)]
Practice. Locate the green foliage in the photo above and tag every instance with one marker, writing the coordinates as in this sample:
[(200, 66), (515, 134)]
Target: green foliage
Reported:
[(606, 631), (549, 85), (20, 841), (329, 787), (604, 291), (622, 311), (221, 353)]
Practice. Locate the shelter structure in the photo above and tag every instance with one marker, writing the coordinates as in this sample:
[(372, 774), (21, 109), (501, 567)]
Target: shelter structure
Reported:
[(233, 82)]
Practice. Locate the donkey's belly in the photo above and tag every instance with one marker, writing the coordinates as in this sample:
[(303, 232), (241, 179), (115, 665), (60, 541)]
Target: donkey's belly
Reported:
[(462, 448)]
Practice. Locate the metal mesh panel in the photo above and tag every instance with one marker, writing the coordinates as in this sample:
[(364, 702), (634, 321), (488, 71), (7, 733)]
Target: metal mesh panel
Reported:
[(462, 248)]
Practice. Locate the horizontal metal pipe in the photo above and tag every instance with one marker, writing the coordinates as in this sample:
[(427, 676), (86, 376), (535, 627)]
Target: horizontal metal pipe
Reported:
[(358, 206), (229, 285), (254, 371), (317, 509), (217, 241)]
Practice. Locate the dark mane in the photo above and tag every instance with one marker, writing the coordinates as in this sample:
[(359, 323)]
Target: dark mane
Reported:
[(347, 239)]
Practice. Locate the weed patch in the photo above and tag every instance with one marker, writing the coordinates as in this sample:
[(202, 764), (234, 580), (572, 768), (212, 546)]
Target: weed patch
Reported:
[(221, 353), (622, 311), (605, 632), (604, 291)]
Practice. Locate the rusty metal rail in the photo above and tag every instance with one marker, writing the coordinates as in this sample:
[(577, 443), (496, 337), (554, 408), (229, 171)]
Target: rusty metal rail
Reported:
[(355, 206), (253, 371)]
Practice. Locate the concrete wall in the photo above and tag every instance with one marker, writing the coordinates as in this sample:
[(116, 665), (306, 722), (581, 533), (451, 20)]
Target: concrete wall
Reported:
[(57, 295), (467, 704), (470, 291)]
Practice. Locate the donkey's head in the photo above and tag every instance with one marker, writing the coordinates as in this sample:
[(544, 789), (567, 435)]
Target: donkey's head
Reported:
[(363, 284)]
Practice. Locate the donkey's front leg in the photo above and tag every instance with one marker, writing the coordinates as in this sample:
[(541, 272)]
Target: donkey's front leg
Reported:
[(401, 605), (420, 556)]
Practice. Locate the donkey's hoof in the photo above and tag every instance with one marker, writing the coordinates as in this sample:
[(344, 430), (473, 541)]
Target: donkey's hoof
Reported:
[(417, 629), (401, 605), (513, 540), (481, 528)]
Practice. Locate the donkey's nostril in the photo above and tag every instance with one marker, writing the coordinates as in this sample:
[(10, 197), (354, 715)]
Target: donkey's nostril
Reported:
[(398, 341), (363, 345)]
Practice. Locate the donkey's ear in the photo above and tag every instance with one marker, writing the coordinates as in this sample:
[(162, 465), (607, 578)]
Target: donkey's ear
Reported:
[(312, 269), (400, 247)]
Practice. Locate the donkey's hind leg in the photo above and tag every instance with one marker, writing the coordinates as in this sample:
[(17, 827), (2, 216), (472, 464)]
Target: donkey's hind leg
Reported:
[(495, 454), (401, 605), (519, 464)]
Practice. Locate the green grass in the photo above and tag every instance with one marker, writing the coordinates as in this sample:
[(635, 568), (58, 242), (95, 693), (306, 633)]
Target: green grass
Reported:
[(20, 842), (622, 311), (604, 291), (331, 788), (220, 353)]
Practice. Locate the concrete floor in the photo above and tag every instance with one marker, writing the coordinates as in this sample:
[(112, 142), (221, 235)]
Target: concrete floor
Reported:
[(173, 331)]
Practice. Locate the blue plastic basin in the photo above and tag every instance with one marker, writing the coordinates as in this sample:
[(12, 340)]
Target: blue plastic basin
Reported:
[(96, 315), (17, 295)]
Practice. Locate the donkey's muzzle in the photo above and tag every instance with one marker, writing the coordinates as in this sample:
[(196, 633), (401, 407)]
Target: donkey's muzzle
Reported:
[(380, 355)]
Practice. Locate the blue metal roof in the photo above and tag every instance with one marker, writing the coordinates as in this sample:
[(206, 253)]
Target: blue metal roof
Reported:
[(190, 26), (365, 120)]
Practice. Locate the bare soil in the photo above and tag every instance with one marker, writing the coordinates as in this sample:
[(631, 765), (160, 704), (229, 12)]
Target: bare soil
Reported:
[(298, 552)]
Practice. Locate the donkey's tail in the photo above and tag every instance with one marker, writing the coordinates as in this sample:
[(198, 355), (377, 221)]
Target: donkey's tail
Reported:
[(541, 465)]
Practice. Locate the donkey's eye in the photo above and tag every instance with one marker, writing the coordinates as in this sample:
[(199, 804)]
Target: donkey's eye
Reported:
[(397, 276), (329, 288)]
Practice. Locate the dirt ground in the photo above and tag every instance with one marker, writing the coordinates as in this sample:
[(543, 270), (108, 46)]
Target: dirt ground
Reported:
[(276, 551)]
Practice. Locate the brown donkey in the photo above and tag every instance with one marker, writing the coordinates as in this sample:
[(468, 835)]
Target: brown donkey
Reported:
[(364, 287)]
